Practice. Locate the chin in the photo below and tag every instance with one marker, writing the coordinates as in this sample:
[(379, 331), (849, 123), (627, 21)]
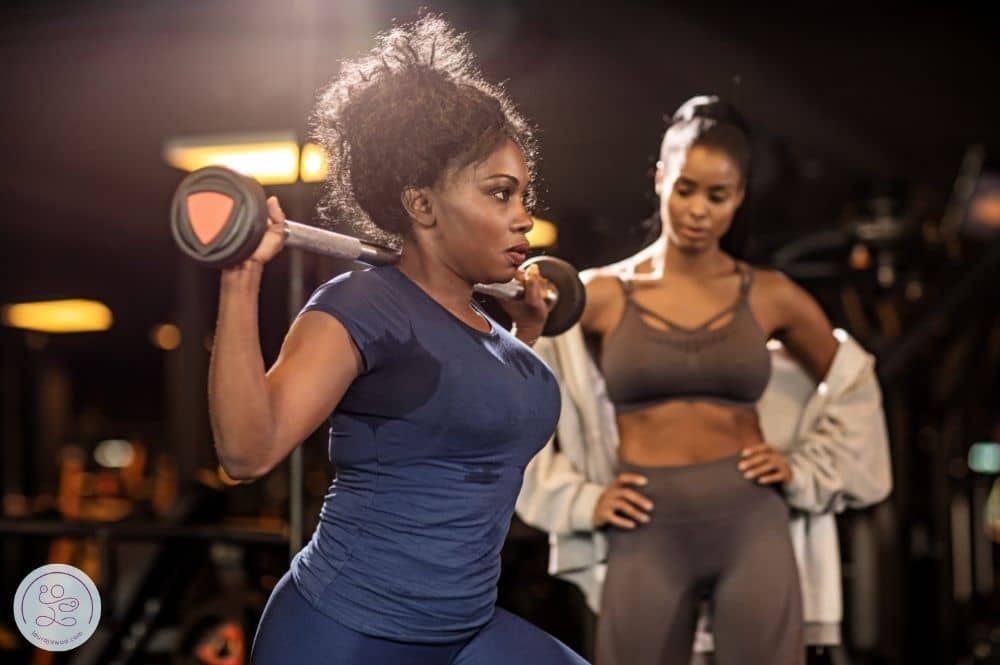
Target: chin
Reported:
[(688, 246), (504, 275), (494, 274)]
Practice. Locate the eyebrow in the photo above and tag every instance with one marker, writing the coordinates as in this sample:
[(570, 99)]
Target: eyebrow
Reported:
[(504, 176), (692, 181)]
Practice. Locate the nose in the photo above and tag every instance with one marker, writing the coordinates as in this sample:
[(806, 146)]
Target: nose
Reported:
[(698, 206), (524, 222)]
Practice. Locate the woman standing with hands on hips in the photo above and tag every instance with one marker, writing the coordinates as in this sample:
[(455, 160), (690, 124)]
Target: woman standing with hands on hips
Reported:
[(662, 450), (434, 409)]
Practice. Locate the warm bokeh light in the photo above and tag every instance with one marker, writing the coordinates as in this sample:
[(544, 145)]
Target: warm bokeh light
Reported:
[(59, 316), (271, 159), (166, 336), (986, 210), (543, 234), (860, 258), (314, 163)]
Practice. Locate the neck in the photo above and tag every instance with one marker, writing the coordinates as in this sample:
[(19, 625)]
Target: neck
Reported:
[(436, 277), (694, 264)]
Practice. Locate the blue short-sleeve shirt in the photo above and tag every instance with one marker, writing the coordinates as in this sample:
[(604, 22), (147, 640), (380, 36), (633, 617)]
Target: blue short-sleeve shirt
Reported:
[(430, 444)]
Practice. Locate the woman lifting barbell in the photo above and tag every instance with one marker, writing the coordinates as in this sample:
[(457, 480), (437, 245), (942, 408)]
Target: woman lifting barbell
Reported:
[(435, 408)]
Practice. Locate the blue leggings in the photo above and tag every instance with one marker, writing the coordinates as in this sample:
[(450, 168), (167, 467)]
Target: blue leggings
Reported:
[(292, 631)]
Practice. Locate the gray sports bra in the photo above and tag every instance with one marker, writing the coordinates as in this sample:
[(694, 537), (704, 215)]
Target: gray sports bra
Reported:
[(644, 365)]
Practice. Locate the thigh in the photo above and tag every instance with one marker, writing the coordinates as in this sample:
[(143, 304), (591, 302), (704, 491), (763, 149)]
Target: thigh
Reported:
[(508, 639), (292, 631), (757, 617), (649, 603)]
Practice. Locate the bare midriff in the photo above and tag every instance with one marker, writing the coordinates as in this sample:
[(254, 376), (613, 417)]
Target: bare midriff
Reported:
[(680, 432)]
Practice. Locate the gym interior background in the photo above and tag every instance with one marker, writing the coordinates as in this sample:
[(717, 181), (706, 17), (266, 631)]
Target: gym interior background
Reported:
[(876, 186)]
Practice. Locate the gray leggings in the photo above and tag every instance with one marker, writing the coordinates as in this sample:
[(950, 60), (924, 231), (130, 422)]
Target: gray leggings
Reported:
[(713, 535)]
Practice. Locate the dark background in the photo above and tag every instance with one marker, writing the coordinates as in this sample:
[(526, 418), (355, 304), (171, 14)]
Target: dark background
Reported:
[(850, 104)]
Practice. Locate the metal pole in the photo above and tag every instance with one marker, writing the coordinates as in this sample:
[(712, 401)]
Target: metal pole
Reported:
[(296, 300), (306, 11)]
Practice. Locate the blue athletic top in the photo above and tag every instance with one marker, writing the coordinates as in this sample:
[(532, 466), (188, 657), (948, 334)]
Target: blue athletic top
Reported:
[(430, 444)]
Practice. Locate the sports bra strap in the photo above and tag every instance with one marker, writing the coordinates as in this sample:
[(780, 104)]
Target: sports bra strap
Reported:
[(746, 277)]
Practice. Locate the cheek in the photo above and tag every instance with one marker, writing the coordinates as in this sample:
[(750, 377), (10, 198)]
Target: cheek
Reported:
[(723, 217), (473, 230), (672, 206), (464, 219), (482, 224)]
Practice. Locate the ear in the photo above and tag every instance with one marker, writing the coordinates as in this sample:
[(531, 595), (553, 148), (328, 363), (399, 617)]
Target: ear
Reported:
[(658, 178), (418, 202)]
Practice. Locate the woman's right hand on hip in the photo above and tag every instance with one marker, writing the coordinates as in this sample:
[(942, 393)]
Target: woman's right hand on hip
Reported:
[(620, 505)]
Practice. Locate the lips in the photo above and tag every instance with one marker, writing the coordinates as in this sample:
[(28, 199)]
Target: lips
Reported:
[(693, 233), (516, 258), (518, 253)]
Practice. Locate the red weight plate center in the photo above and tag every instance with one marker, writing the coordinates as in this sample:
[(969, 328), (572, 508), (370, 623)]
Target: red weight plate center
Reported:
[(208, 213)]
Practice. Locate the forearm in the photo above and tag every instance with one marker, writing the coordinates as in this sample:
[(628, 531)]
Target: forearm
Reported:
[(239, 404)]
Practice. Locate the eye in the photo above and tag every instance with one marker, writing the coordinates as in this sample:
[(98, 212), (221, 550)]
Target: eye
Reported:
[(720, 194), (502, 195)]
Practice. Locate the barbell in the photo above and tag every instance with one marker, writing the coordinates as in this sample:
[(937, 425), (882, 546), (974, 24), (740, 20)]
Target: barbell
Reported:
[(218, 217)]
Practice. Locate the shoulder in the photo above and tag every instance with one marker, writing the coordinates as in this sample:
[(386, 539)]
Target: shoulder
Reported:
[(366, 280), (603, 288), (366, 303), (369, 295), (777, 287), (766, 278), (604, 295), (370, 287)]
